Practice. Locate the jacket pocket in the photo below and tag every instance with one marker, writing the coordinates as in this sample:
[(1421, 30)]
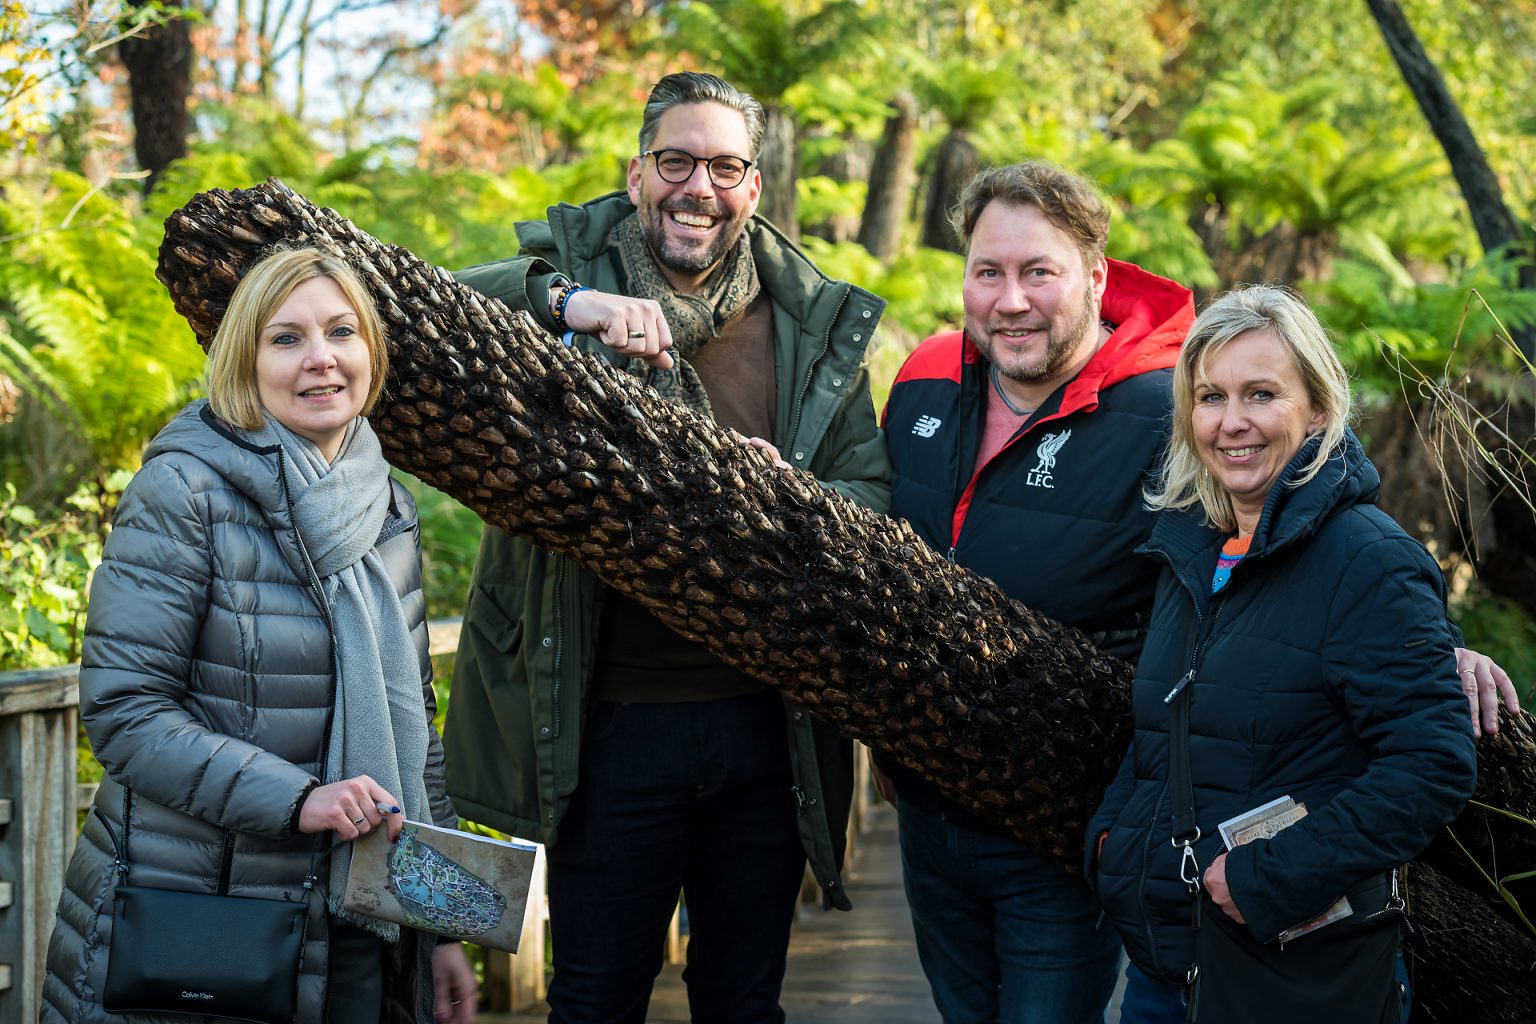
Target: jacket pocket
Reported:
[(486, 614)]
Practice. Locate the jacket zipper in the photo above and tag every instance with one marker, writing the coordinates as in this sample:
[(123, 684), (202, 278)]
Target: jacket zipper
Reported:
[(1141, 884), (559, 640), (805, 388), (226, 862)]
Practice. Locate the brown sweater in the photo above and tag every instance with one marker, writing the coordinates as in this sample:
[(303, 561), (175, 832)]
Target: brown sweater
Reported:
[(638, 658)]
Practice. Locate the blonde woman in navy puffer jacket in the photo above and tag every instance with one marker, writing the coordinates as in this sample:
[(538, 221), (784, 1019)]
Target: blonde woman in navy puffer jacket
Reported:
[(1298, 648)]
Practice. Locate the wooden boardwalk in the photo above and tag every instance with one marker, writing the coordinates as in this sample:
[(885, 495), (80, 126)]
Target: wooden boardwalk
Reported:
[(844, 968), (854, 968)]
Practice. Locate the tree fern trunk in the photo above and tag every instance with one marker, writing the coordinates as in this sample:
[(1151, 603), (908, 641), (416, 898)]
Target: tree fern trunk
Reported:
[(890, 182), (779, 162), (159, 63), (955, 162), (844, 610)]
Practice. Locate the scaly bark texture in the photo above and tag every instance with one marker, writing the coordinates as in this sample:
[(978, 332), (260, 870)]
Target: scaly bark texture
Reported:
[(844, 610)]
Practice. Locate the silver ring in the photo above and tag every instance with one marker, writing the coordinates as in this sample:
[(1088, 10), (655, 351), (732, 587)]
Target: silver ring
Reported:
[(358, 821), (637, 334), (1468, 671)]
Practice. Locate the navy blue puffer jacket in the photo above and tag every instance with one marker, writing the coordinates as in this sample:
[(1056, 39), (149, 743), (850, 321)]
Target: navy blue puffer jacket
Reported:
[(1324, 670)]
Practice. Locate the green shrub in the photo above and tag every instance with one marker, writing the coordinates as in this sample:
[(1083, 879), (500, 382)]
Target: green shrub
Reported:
[(45, 573)]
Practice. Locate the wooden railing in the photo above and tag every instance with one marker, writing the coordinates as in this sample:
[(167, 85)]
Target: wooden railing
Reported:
[(39, 805), (38, 711)]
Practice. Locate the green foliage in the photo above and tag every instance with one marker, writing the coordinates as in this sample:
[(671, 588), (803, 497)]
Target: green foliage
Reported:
[(1255, 157), (23, 79), (593, 117), (90, 333), (767, 46), (45, 573), (450, 539), (1162, 241), (1380, 322), (839, 106), (965, 92), (823, 199)]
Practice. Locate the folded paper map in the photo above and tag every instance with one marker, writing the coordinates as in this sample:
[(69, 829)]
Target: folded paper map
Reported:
[(440, 880)]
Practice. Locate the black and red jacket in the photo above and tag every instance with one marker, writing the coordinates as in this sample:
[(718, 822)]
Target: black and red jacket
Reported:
[(1054, 517)]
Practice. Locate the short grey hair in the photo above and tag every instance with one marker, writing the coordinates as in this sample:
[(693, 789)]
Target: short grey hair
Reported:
[(688, 87), (1256, 307)]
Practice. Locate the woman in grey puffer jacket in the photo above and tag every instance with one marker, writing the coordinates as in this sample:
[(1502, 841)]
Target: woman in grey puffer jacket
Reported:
[(255, 677)]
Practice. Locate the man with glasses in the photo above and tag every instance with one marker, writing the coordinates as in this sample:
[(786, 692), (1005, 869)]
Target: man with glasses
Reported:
[(646, 765)]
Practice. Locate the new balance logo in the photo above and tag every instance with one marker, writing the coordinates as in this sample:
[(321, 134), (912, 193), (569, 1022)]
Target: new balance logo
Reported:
[(926, 426), (1046, 452)]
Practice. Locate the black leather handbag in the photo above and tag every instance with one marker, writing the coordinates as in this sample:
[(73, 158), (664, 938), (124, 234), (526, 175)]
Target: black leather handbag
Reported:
[(1339, 973), (209, 954)]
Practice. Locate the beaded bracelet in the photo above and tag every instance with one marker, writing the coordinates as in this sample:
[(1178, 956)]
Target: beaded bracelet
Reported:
[(560, 304)]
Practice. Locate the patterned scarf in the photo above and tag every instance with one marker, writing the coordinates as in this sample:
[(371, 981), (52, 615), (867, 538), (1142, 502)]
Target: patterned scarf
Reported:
[(694, 319)]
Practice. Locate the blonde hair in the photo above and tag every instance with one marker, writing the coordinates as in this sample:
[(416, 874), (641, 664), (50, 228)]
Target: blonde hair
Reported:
[(1185, 480), (233, 392)]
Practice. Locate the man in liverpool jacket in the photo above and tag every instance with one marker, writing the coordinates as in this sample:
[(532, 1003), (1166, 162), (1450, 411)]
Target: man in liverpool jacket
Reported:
[(1020, 446)]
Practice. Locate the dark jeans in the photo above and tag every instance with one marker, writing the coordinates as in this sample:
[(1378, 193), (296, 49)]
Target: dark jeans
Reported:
[(1002, 933), (355, 989), (1149, 1001), (694, 797)]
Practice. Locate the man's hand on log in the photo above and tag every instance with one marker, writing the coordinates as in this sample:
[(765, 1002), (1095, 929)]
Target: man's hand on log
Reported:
[(767, 446), (631, 327), (1485, 685)]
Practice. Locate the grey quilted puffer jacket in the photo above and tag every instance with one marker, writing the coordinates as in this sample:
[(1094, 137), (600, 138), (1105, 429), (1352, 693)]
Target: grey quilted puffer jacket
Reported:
[(206, 688)]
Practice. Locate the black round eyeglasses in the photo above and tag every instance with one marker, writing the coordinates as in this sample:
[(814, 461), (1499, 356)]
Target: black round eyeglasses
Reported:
[(676, 166)]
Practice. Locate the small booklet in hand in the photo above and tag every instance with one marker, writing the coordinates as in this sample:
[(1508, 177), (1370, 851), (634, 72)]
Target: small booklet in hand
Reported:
[(441, 880), (1263, 822)]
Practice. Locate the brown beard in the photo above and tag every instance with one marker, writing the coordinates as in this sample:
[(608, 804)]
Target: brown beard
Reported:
[(687, 259), (1059, 351)]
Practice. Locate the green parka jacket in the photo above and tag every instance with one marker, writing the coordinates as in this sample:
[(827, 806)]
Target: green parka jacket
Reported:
[(530, 625)]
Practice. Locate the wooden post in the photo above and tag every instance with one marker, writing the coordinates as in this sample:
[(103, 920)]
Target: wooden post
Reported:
[(513, 984), (37, 825)]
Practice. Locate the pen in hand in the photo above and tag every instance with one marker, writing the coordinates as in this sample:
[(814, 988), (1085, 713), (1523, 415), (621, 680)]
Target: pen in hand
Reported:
[(384, 808)]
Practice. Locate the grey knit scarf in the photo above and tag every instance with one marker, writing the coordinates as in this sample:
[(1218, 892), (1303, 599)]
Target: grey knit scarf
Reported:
[(379, 727)]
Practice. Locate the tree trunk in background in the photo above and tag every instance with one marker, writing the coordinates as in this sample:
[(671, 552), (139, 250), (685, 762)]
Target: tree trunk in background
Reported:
[(955, 162), (779, 162), (1475, 965), (1496, 225), (848, 163), (890, 182), (159, 63), (844, 610)]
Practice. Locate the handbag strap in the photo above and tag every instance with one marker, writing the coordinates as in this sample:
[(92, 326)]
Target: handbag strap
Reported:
[(226, 861), (1181, 786)]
